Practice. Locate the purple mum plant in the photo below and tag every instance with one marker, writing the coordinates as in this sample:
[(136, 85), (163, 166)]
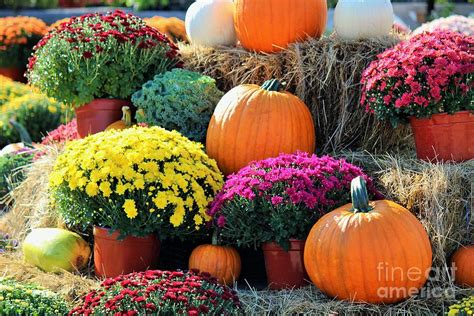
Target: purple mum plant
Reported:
[(277, 199)]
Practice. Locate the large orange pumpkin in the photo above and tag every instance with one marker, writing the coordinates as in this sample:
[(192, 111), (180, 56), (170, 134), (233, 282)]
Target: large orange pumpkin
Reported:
[(221, 262), (463, 263), (375, 252), (269, 25), (253, 123)]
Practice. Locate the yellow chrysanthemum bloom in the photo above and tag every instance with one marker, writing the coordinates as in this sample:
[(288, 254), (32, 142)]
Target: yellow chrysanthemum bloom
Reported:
[(130, 208), (137, 180)]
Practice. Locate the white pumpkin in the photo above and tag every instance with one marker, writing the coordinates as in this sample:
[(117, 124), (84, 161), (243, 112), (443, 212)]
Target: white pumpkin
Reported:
[(211, 23), (360, 19)]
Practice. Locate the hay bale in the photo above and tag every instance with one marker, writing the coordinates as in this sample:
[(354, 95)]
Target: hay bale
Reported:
[(310, 301), (325, 73), (30, 202)]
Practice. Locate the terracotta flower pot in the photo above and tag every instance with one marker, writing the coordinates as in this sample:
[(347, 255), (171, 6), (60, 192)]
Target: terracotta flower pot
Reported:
[(445, 137), (113, 257), (15, 73), (95, 116), (285, 269)]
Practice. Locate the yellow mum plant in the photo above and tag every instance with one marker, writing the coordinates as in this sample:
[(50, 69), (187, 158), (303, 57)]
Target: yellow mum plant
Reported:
[(138, 181)]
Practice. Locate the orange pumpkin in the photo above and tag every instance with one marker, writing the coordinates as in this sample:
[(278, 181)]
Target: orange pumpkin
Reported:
[(221, 262), (375, 252), (125, 122), (172, 27), (253, 123), (463, 263), (269, 25)]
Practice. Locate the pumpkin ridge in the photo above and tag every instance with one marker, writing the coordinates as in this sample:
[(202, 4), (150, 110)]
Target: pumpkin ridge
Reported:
[(329, 285), (342, 280), (399, 237)]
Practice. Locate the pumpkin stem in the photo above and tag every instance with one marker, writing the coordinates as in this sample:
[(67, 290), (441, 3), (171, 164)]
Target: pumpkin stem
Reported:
[(214, 238), (127, 116), (272, 85), (359, 195)]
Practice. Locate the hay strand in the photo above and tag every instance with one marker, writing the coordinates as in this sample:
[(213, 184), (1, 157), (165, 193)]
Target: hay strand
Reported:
[(30, 200)]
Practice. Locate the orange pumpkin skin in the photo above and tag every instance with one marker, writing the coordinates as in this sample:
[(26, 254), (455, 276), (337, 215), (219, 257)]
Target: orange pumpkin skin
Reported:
[(221, 262), (172, 27), (124, 123), (382, 256), (251, 123), (270, 26), (463, 262)]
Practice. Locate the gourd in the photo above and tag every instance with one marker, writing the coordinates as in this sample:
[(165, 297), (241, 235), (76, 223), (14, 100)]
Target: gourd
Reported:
[(361, 19), (211, 23), (253, 123), (374, 252), (125, 122), (463, 265), (270, 26), (221, 262), (55, 249)]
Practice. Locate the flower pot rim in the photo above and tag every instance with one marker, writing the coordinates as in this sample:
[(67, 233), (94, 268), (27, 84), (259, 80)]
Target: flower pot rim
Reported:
[(108, 233), (103, 104), (442, 114), (295, 244)]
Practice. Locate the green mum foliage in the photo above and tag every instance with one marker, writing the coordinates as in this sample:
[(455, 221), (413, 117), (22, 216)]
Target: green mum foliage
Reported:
[(23, 299), (178, 100)]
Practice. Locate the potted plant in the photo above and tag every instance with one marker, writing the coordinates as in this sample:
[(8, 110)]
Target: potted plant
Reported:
[(427, 80), (273, 203), (18, 35), (180, 100), (160, 293), (137, 187), (96, 62)]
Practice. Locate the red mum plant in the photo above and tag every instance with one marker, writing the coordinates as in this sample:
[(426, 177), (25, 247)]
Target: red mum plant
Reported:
[(428, 74), (99, 56), (62, 134), (59, 136), (160, 293)]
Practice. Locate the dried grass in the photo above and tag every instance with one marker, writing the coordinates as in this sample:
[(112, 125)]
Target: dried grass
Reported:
[(325, 73), (30, 207), (310, 301)]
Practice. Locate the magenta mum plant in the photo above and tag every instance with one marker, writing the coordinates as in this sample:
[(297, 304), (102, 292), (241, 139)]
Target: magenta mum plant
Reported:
[(428, 74), (276, 199), (160, 293)]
